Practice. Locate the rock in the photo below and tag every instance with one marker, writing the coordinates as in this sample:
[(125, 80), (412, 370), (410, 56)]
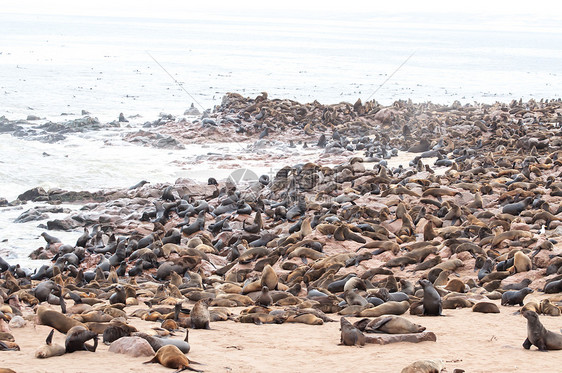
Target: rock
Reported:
[(192, 111), (17, 322), (131, 346), (33, 117), (62, 225), (32, 194), (424, 366)]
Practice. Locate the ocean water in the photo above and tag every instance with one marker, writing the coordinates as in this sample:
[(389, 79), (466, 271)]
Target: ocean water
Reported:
[(55, 62)]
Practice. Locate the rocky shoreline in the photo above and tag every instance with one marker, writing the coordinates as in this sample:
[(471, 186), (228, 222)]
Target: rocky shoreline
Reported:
[(314, 241)]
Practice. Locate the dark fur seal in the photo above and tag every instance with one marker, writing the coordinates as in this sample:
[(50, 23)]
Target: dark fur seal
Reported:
[(553, 287), (119, 296), (538, 335), (432, 305), (514, 297), (76, 338), (350, 335), (264, 299)]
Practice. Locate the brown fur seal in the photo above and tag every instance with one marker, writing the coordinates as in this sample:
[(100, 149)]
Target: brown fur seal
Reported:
[(49, 349), (76, 338), (269, 278), (200, 315), (393, 325), (456, 302), (350, 335), (485, 307), (56, 320), (387, 308), (521, 263), (539, 336), (548, 308), (354, 299), (171, 357)]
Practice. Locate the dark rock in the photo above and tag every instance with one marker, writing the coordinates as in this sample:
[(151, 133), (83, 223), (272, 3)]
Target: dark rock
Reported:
[(31, 194), (62, 225)]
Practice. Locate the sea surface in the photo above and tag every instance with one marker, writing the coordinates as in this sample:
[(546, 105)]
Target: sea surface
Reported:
[(143, 65)]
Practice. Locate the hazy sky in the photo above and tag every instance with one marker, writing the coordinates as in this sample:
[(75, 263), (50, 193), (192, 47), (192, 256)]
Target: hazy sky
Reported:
[(170, 8)]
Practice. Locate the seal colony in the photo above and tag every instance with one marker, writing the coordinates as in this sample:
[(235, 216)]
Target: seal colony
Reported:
[(316, 244)]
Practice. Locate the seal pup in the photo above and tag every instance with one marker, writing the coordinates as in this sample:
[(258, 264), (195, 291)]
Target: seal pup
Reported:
[(538, 335), (350, 335), (171, 357), (432, 305), (76, 338), (513, 297), (49, 349)]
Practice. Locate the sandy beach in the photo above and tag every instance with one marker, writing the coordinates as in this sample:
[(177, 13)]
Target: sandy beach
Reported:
[(467, 340)]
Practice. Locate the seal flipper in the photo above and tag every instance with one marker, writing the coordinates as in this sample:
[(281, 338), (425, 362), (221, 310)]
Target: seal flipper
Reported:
[(62, 304), (187, 368), (380, 323), (527, 344), (154, 360), (49, 339)]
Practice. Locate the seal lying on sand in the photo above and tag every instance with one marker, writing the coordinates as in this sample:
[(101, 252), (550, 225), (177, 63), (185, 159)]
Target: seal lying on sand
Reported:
[(49, 349), (171, 357)]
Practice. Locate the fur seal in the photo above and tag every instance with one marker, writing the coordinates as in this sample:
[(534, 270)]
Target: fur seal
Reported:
[(538, 335), (521, 263), (350, 335), (393, 325), (513, 297), (119, 296), (200, 315), (485, 307), (553, 287), (76, 338), (264, 299), (49, 349), (269, 278), (171, 357), (548, 308), (56, 320), (432, 305), (387, 308)]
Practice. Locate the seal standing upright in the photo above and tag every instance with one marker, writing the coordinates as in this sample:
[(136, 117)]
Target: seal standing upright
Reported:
[(432, 305), (538, 335), (200, 316)]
